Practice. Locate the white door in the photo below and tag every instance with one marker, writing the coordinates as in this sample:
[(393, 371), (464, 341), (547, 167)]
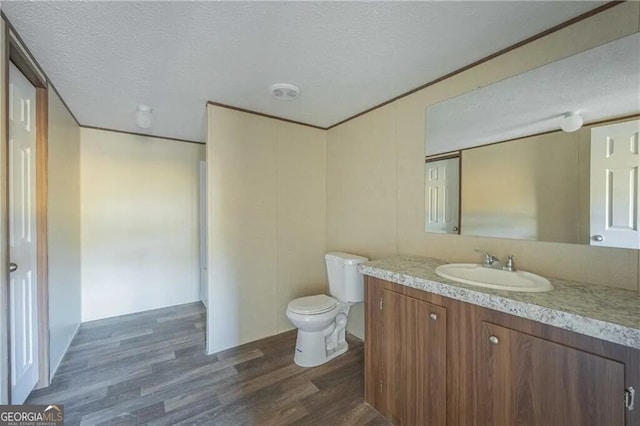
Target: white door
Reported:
[(22, 236), (203, 232), (442, 188), (614, 185)]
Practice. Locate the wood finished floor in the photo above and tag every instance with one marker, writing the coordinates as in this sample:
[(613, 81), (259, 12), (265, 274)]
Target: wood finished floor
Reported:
[(150, 368)]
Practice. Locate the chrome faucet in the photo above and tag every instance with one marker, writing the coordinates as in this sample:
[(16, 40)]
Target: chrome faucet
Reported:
[(509, 265), (490, 261)]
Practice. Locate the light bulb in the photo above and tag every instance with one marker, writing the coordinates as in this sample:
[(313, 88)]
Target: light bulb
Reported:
[(571, 122)]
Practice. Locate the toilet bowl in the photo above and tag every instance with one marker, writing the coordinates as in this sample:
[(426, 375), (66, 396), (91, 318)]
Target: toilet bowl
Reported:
[(321, 320)]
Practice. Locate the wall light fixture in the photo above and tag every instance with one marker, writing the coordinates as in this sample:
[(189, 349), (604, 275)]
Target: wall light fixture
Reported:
[(571, 122)]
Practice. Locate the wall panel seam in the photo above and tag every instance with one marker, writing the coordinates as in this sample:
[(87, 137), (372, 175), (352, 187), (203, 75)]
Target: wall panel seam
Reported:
[(397, 170), (276, 150)]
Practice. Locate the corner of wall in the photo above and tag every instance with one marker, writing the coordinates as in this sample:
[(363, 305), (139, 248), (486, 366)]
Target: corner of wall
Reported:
[(64, 224), (397, 162)]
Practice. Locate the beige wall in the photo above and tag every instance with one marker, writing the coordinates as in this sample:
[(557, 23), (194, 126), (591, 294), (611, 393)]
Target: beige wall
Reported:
[(63, 228), (362, 180), (524, 189), (380, 211), (266, 223), (543, 178), (139, 215)]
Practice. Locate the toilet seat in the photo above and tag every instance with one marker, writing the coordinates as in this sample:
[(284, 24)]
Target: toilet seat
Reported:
[(312, 305)]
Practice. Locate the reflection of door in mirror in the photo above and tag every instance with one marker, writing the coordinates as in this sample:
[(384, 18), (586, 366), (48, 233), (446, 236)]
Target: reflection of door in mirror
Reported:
[(614, 185), (442, 195)]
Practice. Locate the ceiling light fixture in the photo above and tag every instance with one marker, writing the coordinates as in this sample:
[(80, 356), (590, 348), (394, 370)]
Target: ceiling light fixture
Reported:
[(571, 121), (285, 91), (143, 116)]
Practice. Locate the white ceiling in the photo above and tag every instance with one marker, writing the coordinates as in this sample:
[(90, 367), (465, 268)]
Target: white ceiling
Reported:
[(107, 57), (600, 83)]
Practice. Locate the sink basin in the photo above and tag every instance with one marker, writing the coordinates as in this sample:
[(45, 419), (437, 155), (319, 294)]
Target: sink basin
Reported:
[(478, 275)]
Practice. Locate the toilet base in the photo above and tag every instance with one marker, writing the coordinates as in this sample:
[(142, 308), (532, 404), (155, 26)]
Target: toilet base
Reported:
[(312, 349)]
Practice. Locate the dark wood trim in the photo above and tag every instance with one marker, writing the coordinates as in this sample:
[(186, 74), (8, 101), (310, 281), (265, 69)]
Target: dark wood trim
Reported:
[(535, 37), (428, 158), (21, 62), (42, 187), (248, 111), (612, 120), (63, 102), (142, 134), (11, 28), (5, 203), (460, 193), (438, 157), (23, 47)]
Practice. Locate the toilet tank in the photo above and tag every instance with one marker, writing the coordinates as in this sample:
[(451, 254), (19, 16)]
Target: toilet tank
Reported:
[(345, 282)]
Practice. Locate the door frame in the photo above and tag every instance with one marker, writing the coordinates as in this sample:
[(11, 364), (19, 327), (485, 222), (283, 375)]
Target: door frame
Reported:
[(16, 53)]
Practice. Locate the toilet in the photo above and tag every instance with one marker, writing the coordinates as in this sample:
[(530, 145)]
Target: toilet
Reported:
[(322, 320)]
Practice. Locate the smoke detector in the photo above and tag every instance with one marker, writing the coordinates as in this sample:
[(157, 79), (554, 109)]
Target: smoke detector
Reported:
[(284, 91)]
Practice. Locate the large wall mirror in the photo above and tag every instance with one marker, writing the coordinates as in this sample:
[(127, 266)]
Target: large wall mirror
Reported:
[(578, 186)]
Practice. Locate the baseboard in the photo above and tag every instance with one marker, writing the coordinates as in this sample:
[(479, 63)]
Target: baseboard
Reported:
[(137, 311), (239, 345), (354, 337), (53, 372)]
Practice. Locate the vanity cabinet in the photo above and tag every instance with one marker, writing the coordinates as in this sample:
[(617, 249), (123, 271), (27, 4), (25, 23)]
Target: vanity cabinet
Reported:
[(431, 360), (405, 358), (527, 380), (414, 352)]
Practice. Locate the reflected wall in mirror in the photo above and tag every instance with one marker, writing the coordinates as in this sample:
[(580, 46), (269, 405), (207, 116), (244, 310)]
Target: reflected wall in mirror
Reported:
[(542, 183), (533, 189), (579, 188)]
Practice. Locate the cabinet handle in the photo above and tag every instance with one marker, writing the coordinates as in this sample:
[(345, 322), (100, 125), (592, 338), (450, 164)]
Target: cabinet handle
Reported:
[(494, 340), (629, 397), (433, 316)]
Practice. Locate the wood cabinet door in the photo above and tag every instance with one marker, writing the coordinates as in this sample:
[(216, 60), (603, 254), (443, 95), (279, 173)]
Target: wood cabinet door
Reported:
[(526, 380), (414, 360)]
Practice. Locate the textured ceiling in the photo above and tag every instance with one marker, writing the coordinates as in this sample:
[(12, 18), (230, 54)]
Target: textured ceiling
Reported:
[(107, 57), (601, 83)]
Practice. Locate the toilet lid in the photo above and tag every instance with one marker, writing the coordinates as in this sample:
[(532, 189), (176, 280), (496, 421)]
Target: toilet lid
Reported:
[(312, 304)]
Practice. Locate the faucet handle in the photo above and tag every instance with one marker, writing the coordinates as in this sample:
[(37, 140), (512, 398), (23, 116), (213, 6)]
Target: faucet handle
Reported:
[(509, 265), (489, 259)]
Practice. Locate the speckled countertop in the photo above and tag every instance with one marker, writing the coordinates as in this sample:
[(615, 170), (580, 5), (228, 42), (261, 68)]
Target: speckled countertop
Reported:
[(606, 313)]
